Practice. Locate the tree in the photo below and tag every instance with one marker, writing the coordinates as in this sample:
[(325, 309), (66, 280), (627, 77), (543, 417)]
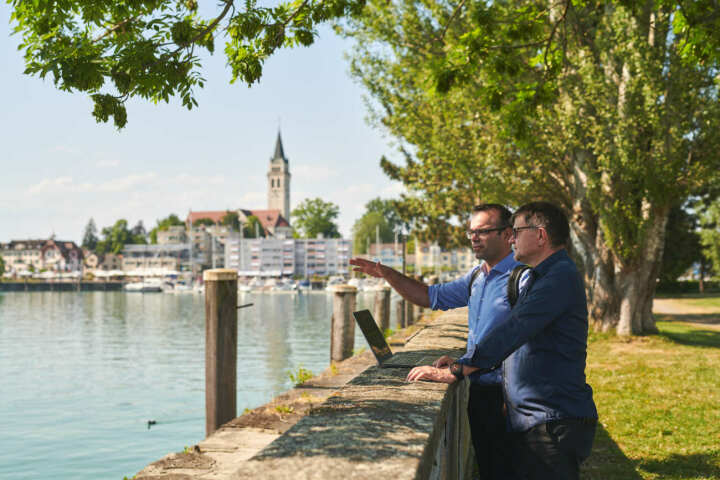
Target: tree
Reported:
[(253, 228), (314, 216), (367, 228), (608, 109), (116, 237), (682, 244), (163, 224), (2, 266), (90, 238), (208, 222), (388, 209), (138, 233), (231, 220), (114, 51), (710, 235)]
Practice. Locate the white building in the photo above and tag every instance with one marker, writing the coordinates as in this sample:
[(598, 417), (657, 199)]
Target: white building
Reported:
[(432, 256), (274, 257)]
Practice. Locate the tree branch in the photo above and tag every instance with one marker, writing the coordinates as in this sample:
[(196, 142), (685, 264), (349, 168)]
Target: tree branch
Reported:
[(116, 27), (451, 19)]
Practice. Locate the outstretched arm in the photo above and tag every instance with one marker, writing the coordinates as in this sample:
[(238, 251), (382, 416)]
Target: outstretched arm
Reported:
[(410, 289)]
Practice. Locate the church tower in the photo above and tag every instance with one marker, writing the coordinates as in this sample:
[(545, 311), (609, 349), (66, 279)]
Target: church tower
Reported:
[(279, 181)]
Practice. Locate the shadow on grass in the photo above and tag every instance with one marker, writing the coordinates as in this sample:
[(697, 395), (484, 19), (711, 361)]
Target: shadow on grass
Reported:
[(692, 337), (607, 461), (696, 465), (706, 318)]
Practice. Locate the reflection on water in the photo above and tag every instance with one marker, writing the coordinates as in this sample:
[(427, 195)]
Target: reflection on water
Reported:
[(83, 372)]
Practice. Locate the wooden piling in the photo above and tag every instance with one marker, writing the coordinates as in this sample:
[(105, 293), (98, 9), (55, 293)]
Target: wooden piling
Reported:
[(220, 347), (400, 313), (409, 313), (382, 307), (342, 330)]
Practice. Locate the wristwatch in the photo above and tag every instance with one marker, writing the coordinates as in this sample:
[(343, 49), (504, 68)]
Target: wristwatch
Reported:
[(457, 370)]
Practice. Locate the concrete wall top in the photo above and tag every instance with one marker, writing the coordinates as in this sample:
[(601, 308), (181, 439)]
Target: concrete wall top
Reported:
[(377, 426)]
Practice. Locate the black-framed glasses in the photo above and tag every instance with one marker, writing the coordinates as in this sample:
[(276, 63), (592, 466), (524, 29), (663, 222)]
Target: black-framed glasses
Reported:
[(528, 227), (483, 231)]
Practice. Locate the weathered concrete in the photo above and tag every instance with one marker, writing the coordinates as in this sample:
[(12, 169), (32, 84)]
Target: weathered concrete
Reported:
[(377, 424)]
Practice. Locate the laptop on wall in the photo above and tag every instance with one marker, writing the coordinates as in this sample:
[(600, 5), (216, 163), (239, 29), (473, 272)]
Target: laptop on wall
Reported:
[(381, 349)]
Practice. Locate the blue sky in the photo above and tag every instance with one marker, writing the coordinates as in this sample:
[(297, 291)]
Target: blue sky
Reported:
[(60, 167)]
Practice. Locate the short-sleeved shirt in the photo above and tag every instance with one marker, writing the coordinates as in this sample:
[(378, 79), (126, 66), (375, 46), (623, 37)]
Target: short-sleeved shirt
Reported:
[(487, 305)]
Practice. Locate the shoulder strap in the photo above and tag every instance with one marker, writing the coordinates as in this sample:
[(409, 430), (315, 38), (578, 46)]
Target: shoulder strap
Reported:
[(513, 285), (473, 276)]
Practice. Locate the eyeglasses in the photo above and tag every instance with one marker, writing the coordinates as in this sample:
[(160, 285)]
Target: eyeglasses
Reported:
[(528, 227), (482, 231)]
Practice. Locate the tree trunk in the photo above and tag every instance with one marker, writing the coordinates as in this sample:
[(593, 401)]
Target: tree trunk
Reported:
[(620, 296)]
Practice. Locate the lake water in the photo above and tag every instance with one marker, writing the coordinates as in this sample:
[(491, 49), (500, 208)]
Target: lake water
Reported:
[(82, 373)]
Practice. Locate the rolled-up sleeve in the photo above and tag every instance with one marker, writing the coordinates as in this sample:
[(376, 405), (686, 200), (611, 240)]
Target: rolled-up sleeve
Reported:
[(449, 295)]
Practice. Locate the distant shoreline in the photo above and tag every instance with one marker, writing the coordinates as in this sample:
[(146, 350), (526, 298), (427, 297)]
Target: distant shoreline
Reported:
[(33, 286)]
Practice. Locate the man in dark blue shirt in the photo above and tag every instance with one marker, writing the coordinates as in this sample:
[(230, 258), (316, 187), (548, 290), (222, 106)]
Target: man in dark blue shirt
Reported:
[(542, 347), (484, 291)]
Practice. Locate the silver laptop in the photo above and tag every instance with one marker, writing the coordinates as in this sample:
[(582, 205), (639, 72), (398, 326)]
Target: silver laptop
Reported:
[(381, 349)]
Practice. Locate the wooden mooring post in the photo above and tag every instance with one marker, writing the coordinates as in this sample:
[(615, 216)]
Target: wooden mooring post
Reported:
[(400, 314), (409, 313), (342, 329), (382, 308), (220, 347)]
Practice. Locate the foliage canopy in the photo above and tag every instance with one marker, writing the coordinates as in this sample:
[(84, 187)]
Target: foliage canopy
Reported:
[(113, 51), (608, 109), (314, 216)]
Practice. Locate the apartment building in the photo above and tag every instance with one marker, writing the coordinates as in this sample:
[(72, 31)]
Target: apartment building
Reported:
[(274, 257)]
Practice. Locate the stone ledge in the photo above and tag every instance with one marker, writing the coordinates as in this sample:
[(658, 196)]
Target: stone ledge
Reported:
[(361, 430), (376, 425)]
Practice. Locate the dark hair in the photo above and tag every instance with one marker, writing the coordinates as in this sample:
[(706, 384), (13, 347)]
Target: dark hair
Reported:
[(548, 216), (502, 211)]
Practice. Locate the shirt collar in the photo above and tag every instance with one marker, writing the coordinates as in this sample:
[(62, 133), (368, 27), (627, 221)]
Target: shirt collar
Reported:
[(506, 264), (545, 265)]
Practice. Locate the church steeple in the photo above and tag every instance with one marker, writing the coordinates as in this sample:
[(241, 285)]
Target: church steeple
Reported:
[(279, 152), (279, 181)]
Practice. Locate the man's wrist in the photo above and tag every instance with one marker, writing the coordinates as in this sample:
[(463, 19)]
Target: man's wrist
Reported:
[(457, 370)]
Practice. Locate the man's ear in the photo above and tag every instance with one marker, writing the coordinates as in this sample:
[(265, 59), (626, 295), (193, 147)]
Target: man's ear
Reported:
[(543, 239)]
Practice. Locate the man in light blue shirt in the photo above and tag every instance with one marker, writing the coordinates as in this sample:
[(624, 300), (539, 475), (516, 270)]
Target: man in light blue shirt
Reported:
[(484, 291)]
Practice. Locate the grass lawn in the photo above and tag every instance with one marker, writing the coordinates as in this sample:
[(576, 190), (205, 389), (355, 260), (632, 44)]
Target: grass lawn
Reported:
[(659, 398)]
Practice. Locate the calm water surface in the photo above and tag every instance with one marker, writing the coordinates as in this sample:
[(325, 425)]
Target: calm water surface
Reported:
[(82, 373)]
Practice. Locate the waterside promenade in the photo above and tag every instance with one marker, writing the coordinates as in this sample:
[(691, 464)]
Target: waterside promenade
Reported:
[(352, 421)]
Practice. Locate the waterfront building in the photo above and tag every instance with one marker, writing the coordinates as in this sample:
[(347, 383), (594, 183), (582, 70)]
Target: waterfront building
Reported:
[(389, 254), (275, 257), (102, 262), (168, 259), (175, 234), (209, 240), (35, 255), (433, 257)]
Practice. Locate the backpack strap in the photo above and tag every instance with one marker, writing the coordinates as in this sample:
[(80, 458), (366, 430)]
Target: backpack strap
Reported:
[(473, 276), (513, 285)]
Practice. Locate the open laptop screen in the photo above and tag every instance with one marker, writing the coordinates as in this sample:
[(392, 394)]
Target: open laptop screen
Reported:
[(373, 335)]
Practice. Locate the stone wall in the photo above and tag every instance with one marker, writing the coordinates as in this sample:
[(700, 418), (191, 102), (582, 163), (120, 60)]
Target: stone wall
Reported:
[(375, 426)]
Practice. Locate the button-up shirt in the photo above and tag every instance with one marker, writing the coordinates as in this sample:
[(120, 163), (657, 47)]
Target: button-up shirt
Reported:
[(543, 344), (487, 305)]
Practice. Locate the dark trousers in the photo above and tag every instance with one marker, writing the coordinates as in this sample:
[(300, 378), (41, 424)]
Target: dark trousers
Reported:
[(553, 450), (489, 434)]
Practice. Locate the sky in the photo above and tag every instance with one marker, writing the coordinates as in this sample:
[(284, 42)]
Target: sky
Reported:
[(59, 167)]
